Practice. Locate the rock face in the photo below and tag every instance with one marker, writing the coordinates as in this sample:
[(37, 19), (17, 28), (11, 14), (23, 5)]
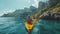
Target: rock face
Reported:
[(54, 15), (48, 4), (52, 10), (32, 8), (21, 12), (53, 2), (17, 13), (41, 5)]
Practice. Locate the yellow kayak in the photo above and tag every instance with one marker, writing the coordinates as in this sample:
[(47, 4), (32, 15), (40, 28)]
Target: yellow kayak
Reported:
[(29, 26)]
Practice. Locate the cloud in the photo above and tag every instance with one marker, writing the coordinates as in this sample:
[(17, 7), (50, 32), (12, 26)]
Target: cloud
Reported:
[(31, 3), (44, 0), (28, 1), (8, 11), (35, 3)]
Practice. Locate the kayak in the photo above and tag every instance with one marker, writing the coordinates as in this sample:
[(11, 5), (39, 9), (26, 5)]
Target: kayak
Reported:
[(29, 27)]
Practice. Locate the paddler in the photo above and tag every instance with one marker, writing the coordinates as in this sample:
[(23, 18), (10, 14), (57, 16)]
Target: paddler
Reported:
[(35, 19), (29, 25), (29, 21)]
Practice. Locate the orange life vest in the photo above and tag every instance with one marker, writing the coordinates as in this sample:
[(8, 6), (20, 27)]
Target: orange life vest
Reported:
[(29, 21)]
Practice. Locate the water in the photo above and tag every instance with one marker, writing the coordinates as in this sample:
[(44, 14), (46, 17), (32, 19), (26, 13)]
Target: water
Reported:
[(12, 25)]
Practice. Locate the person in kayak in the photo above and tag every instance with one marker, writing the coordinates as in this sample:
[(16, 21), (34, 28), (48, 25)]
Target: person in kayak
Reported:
[(29, 25), (29, 21), (35, 20)]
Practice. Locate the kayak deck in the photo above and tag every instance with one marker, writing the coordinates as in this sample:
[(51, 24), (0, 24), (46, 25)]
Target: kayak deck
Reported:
[(29, 26)]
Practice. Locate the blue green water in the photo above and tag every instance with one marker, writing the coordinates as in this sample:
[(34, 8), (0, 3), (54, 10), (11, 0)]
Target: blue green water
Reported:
[(12, 25)]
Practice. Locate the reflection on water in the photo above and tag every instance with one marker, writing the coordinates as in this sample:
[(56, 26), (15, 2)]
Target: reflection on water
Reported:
[(12, 25)]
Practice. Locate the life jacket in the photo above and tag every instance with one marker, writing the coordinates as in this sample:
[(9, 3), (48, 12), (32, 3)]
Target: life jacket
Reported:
[(29, 21)]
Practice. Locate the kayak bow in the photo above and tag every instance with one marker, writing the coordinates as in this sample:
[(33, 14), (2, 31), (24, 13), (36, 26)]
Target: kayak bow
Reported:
[(29, 27)]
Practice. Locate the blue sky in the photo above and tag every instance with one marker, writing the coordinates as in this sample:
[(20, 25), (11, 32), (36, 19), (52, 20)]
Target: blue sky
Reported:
[(7, 6)]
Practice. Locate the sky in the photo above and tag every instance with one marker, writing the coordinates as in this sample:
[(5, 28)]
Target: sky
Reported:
[(8, 6)]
